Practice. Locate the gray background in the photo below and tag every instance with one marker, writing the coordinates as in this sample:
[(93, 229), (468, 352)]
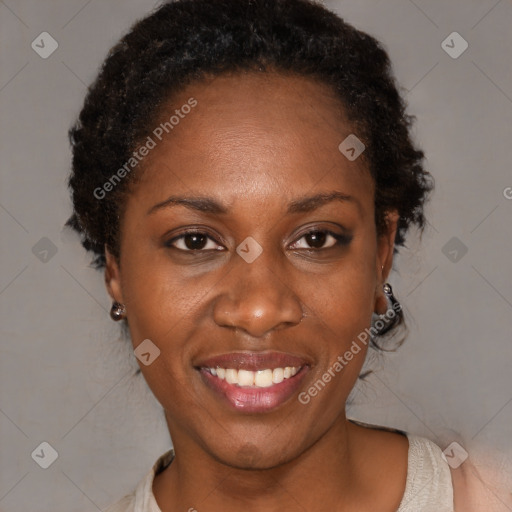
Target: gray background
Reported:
[(66, 373)]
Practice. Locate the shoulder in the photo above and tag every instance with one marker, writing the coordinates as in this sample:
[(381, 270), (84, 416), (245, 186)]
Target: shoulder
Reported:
[(429, 485), (423, 469)]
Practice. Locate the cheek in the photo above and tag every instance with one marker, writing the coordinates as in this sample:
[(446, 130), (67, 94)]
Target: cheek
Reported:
[(342, 309), (167, 307), (162, 308), (344, 299), (158, 298)]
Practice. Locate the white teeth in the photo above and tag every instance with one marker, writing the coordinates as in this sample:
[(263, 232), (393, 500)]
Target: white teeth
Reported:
[(263, 378), (260, 378), (231, 376), (277, 375), (245, 378)]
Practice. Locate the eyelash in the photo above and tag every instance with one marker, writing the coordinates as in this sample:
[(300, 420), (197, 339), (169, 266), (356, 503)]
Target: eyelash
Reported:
[(340, 240)]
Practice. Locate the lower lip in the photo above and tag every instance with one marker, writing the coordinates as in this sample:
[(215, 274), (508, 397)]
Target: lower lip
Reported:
[(252, 399)]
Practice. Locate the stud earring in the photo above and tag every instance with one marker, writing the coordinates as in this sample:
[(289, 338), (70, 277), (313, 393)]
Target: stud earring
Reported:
[(117, 311)]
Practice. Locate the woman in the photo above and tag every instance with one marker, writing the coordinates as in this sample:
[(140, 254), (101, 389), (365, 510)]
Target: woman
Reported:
[(243, 172)]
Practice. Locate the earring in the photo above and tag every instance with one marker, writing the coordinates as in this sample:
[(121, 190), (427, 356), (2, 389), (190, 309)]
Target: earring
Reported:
[(393, 315), (117, 311), (388, 291)]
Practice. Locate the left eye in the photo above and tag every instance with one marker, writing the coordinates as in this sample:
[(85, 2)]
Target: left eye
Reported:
[(317, 238)]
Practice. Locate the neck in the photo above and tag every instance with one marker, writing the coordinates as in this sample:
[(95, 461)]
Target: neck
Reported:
[(196, 479)]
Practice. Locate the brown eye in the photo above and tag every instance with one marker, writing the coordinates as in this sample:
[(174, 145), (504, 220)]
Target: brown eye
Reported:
[(192, 241), (317, 239)]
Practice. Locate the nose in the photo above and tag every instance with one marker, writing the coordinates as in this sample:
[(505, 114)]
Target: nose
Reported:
[(256, 298)]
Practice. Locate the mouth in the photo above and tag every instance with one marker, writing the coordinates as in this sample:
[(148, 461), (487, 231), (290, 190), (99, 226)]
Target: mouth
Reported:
[(253, 382)]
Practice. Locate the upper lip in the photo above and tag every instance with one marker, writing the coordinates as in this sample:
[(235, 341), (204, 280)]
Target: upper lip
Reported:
[(253, 361)]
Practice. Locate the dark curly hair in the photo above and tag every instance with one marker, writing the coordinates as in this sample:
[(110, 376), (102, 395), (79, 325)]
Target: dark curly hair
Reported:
[(186, 40)]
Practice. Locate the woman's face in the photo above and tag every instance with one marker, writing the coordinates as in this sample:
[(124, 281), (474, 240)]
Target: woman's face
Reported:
[(273, 279)]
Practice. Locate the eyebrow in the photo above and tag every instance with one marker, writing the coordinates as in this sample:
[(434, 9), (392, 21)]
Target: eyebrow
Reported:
[(210, 205)]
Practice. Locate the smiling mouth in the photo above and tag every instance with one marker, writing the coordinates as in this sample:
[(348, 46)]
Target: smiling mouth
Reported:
[(254, 379), (253, 391)]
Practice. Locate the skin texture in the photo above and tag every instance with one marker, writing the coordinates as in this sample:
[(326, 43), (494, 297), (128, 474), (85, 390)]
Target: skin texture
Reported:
[(255, 142)]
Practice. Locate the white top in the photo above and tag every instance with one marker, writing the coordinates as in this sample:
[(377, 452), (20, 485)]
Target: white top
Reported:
[(428, 487)]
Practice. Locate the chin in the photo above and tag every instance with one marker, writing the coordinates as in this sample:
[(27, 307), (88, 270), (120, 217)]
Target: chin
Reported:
[(250, 456)]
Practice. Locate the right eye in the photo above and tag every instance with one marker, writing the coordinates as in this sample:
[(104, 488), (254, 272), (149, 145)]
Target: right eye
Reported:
[(193, 241)]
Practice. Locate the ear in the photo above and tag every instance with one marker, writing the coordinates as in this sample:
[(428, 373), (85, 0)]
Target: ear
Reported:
[(386, 244), (113, 277), (384, 262)]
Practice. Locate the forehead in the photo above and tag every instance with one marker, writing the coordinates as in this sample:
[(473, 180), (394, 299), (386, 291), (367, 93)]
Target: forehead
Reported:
[(252, 135)]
